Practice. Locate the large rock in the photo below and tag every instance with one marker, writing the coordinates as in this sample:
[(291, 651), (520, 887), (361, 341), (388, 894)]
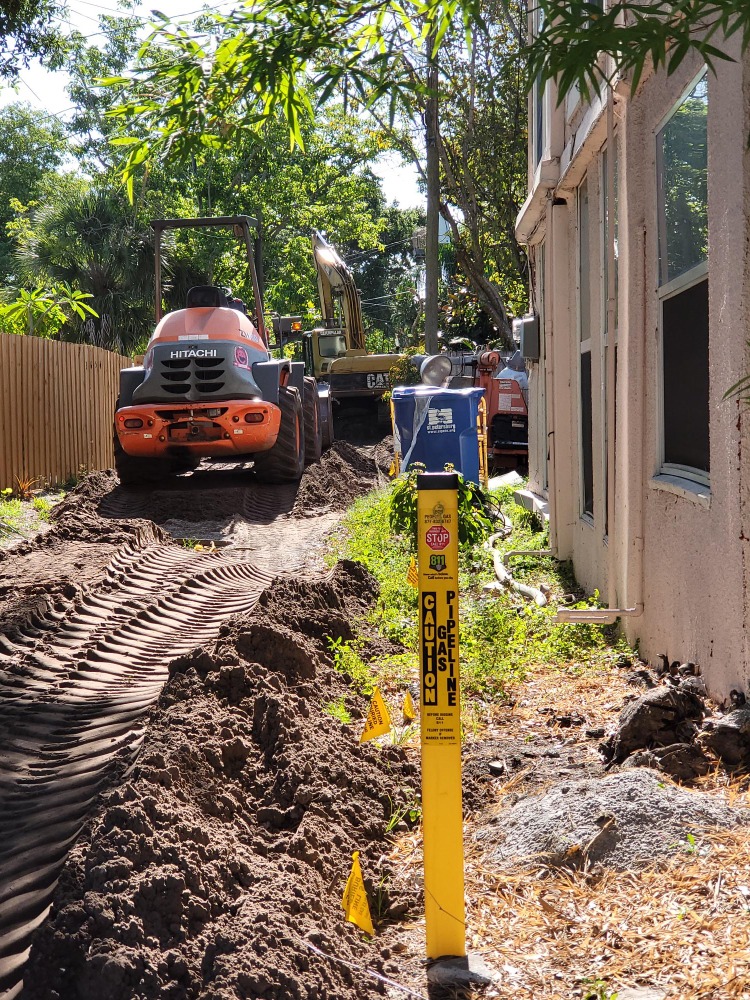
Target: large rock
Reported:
[(729, 737), (682, 761), (660, 717), (622, 821)]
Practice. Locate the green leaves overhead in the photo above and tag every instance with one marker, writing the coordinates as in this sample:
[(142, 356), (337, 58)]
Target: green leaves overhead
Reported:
[(29, 29), (575, 36), (193, 87)]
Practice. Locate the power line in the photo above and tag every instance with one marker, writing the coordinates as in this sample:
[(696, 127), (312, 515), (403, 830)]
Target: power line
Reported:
[(362, 254), (144, 18)]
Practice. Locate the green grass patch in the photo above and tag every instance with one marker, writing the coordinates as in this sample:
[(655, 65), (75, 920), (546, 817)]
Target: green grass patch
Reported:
[(348, 662), (337, 710), (11, 514), (502, 635), (43, 507)]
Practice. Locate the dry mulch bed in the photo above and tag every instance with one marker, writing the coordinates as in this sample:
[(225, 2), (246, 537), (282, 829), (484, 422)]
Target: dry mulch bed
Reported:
[(679, 926)]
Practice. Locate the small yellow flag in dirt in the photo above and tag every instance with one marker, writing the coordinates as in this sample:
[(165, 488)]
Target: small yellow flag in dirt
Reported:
[(412, 576), (354, 900), (410, 713), (378, 720), (393, 471)]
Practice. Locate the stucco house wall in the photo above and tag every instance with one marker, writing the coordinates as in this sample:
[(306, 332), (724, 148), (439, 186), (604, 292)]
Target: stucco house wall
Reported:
[(675, 548)]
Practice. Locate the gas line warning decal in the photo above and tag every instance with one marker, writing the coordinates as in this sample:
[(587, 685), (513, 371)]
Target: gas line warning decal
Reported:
[(439, 621)]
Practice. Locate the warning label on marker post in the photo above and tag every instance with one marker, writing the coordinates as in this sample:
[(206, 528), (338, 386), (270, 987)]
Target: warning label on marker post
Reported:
[(438, 619), (437, 537), (440, 714), (440, 696)]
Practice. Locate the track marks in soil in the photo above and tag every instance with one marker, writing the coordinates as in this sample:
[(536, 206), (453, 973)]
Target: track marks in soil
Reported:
[(79, 677), (75, 689)]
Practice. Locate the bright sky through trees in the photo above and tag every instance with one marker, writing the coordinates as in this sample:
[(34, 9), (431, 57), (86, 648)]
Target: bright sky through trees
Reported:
[(46, 90)]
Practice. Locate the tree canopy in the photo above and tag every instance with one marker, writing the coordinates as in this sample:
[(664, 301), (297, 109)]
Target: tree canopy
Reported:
[(29, 29), (576, 34), (193, 87), (32, 147), (68, 224)]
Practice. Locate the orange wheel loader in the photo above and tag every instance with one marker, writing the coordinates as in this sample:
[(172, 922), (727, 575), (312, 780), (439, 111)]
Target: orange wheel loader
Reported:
[(209, 388)]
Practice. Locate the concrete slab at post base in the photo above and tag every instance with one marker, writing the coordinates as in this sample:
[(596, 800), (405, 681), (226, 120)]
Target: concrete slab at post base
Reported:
[(469, 970)]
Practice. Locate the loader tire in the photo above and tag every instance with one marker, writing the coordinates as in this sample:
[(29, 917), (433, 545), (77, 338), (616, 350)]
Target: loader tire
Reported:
[(137, 471), (285, 462), (313, 422)]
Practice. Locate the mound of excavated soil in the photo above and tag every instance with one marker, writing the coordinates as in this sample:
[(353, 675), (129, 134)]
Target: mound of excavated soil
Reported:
[(619, 821), (334, 483), (77, 516), (227, 849)]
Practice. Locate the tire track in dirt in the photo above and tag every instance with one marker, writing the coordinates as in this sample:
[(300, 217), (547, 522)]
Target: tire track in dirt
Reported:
[(77, 681), (74, 693)]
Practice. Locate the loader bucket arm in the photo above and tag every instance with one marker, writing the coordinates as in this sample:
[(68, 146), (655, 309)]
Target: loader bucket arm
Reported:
[(336, 280), (241, 224)]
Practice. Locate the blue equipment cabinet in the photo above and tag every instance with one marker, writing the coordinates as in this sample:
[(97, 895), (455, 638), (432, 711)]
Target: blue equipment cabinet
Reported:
[(434, 426)]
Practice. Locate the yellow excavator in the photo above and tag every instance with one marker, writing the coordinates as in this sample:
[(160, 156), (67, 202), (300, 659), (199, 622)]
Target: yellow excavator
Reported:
[(335, 352)]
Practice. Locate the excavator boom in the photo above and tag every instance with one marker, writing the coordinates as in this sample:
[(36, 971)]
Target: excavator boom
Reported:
[(335, 280)]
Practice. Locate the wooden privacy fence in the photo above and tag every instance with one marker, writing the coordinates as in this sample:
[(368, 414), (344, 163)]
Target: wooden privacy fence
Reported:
[(57, 402)]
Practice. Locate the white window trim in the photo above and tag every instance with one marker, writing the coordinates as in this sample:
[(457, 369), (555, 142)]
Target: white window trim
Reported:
[(686, 91), (584, 347), (692, 484), (681, 479), (682, 487)]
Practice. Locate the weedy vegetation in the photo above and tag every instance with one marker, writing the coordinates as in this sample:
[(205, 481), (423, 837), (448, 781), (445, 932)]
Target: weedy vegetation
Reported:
[(337, 710), (347, 661), (502, 635), (24, 509)]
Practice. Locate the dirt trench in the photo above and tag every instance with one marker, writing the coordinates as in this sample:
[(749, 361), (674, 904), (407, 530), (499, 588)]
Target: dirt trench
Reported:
[(171, 784)]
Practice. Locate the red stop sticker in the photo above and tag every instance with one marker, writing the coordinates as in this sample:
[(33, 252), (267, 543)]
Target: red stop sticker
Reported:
[(437, 537)]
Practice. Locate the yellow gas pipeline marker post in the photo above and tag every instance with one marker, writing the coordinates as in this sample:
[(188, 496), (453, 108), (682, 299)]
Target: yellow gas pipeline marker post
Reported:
[(442, 820)]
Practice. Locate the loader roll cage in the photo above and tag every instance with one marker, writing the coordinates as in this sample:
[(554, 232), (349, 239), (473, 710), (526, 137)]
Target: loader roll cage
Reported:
[(241, 226)]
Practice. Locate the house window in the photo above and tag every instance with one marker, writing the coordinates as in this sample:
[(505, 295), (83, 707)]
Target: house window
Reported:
[(682, 162), (584, 327)]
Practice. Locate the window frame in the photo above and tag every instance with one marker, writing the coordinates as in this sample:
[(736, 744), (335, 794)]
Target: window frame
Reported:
[(683, 479), (659, 161), (688, 473), (584, 347)]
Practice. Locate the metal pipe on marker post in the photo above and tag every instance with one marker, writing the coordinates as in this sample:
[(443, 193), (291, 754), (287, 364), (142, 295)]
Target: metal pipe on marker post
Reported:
[(442, 819)]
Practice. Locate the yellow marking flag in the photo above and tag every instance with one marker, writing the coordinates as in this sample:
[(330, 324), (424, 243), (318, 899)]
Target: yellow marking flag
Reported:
[(378, 720), (354, 900), (393, 471), (412, 574), (410, 713)]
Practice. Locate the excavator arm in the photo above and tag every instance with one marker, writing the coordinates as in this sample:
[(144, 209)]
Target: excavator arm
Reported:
[(335, 280)]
